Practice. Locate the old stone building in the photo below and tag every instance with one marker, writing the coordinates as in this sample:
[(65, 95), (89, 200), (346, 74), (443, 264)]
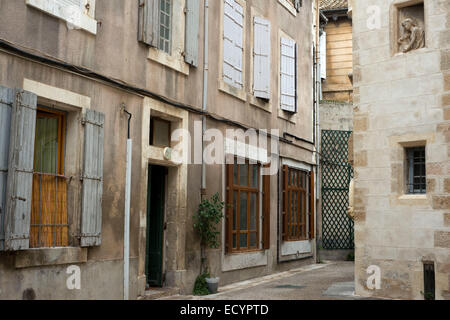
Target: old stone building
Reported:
[(401, 148), (80, 77)]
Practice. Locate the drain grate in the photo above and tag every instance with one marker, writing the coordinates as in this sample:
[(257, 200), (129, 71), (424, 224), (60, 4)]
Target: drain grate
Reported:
[(289, 286)]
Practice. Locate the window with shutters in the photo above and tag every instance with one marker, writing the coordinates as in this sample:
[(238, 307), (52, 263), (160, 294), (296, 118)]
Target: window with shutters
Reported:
[(288, 75), (232, 73), (171, 29), (79, 14), (49, 220), (248, 199), (298, 204)]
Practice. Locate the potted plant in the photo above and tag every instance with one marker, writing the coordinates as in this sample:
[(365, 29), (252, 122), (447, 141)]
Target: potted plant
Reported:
[(208, 216)]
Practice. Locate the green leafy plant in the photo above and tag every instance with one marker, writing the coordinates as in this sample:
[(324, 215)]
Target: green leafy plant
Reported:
[(201, 287), (208, 216)]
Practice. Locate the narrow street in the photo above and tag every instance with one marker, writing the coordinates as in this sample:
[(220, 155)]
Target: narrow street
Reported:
[(331, 281)]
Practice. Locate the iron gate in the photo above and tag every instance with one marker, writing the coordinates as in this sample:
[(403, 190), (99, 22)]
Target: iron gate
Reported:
[(337, 227)]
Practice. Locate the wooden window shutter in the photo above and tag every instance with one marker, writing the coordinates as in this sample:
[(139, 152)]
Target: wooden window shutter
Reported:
[(148, 30), (19, 190), (312, 202), (266, 211), (285, 202), (233, 47), (288, 75), (229, 208), (192, 31), (6, 101), (91, 216), (261, 61)]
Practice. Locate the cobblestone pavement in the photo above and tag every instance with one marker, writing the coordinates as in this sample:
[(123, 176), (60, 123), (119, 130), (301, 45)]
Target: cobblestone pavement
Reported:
[(330, 281)]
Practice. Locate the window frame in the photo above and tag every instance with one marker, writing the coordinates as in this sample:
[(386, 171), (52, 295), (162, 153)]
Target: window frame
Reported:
[(231, 189), (170, 39), (152, 133), (61, 116), (303, 222), (410, 165)]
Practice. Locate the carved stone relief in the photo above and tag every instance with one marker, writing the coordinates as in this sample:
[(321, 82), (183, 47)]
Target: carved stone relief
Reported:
[(411, 28)]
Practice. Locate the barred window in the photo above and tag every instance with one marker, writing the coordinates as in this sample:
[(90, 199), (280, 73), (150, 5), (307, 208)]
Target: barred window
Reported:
[(165, 25), (416, 170)]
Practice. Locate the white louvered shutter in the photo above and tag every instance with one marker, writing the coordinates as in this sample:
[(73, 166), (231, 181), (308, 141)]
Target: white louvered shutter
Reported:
[(91, 219), (261, 60), (288, 94), (192, 31), (19, 190), (233, 48), (323, 55), (6, 100)]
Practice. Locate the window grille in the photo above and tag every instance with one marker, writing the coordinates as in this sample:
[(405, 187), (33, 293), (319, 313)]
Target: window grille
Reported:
[(416, 165)]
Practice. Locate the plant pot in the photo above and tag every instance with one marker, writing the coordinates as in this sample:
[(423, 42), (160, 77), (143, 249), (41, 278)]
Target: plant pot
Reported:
[(213, 284)]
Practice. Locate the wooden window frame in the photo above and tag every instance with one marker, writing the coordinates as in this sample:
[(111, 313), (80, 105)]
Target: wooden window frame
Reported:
[(304, 189), (231, 189), (62, 118)]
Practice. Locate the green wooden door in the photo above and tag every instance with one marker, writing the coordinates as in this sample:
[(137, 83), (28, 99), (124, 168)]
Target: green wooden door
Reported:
[(155, 225)]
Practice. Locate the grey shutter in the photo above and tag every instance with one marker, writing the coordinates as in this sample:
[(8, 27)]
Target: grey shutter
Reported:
[(288, 75), (149, 22), (233, 47), (323, 55), (192, 31), (19, 191), (261, 60), (91, 216), (6, 101)]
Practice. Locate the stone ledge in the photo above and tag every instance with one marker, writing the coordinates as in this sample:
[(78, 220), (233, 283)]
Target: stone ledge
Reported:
[(50, 257)]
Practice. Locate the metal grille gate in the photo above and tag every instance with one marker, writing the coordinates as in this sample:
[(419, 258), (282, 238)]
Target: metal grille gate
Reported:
[(337, 227)]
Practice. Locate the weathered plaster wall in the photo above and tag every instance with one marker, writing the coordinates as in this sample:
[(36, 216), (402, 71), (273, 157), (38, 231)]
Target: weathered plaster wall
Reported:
[(399, 100)]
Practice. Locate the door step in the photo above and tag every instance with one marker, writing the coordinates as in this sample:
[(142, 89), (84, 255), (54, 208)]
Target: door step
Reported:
[(158, 293)]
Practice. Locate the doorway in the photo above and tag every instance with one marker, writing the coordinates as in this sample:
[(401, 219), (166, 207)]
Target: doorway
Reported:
[(155, 225)]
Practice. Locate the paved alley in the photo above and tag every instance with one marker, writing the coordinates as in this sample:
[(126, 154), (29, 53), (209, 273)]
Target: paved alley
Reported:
[(331, 281)]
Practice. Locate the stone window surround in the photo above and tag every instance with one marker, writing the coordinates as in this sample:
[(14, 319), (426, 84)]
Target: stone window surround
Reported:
[(259, 103), (175, 60), (398, 145), (396, 6), (87, 17), (245, 260), (241, 94), (75, 104)]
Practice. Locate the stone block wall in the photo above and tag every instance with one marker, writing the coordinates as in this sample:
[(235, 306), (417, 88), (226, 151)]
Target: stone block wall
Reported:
[(401, 100)]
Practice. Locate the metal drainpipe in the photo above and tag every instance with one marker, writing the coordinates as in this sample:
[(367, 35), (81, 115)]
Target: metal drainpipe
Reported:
[(126, 240), (205, 90), (317, 108)]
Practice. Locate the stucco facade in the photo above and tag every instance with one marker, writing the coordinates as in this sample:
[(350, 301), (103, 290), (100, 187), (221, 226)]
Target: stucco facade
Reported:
[(401, 101), (43, 54)]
